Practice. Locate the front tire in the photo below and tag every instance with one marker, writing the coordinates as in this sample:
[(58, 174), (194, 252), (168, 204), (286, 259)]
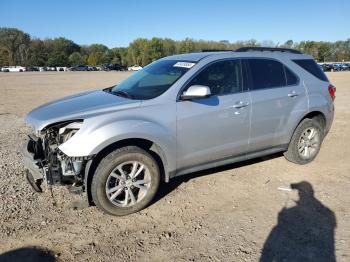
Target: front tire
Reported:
[(305, 143), (125, 181)]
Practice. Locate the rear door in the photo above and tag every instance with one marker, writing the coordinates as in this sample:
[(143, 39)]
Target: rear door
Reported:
[(216, 127), (275, 93)]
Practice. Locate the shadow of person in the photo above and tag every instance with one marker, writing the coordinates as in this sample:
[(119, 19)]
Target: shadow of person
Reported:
[(28, 254), (304, 232)]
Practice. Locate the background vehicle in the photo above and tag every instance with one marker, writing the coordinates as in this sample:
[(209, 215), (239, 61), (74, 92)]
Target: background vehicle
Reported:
[(80, 68), (61, 68), (340, 67), (33, 68), (116, 67), (92, 68), (327, 67), (344, 66), (135, 68), (180, 114), (14, 69)]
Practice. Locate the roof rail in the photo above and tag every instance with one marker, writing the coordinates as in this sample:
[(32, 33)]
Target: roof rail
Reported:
[(271, 49), (215, 50)]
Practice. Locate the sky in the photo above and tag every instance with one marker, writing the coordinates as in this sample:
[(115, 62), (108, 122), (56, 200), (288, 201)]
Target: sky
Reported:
[(117, 23)]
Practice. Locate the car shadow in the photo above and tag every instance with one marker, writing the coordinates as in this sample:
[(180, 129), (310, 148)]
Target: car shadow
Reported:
[(166, 188), (304, 232), (28, 254)]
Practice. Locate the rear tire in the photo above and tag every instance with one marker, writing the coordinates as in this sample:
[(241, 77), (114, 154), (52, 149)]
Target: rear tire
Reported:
[(125, 181), (306, 142)]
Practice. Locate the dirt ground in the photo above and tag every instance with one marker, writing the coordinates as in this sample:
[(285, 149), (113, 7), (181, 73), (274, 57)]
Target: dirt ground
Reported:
[(223, 214)]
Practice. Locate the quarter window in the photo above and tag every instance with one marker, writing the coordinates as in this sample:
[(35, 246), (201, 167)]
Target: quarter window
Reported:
[(311, 66), (223, 77)]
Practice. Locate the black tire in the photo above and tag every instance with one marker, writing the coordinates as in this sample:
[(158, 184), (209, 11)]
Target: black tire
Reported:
[(292, 154), (108, 164)]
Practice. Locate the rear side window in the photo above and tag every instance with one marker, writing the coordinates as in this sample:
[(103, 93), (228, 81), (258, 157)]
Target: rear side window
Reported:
[(311, 66), (266, 73), (223, 77), (290, 77)]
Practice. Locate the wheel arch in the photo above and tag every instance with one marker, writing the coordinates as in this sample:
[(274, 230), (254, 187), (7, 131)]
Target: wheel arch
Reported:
[(150, 146), (315, 114)]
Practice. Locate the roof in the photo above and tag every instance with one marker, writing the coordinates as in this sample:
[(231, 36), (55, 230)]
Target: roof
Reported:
[(242, 52), (195, 57), (270, 49)]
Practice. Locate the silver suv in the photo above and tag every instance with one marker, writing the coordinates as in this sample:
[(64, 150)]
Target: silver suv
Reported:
[(178, 115)]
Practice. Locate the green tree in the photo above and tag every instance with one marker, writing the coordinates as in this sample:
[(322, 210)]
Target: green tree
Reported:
[(15, 45), (153, 50), (93, 59), (288, 44), (38, 54), (98, 54), (4, 58), (324, 52), (17, 48), (107, 57), (97, 48), (186, 46), (57, 59), (76, 59), (251, 42), (59, 50), (136, 51), (169, 47)]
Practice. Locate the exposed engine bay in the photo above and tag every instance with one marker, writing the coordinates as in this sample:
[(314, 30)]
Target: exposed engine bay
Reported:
[(56, 167)]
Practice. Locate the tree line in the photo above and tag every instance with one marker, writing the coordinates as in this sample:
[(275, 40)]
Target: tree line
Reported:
[(19, 48)]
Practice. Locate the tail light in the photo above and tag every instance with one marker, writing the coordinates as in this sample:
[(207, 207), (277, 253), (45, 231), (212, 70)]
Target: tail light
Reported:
[(331, 91)]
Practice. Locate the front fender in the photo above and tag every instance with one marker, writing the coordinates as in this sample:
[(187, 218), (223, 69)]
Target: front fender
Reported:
[(91, 140)]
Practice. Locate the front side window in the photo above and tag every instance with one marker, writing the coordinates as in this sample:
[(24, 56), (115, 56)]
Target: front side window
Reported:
[(223, 77), (266, 73), (153, 80)]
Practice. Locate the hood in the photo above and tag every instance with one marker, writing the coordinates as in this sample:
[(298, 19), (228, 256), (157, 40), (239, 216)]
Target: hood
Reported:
[(79, 106)]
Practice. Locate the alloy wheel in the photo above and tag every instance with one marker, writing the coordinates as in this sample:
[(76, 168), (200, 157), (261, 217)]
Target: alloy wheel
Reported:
[(128, 183), (309, 143)]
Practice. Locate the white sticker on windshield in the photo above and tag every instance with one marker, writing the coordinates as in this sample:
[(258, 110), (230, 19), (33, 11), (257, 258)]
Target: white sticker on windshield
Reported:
[(184, 64)]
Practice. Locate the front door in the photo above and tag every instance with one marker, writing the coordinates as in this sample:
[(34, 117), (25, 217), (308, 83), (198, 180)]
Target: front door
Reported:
[(216, 127)]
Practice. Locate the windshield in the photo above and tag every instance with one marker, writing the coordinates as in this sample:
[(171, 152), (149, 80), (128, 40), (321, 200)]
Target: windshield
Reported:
[(153, 80)]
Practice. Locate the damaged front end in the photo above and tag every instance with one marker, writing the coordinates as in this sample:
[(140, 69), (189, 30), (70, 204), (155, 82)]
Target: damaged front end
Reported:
[(46, 163)]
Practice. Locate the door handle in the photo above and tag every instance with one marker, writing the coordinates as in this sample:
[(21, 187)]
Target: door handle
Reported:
[(240, 104), (293, 94)]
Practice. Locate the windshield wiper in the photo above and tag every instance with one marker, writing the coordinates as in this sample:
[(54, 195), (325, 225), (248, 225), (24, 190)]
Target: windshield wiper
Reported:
[(108, 89), (123, 94)]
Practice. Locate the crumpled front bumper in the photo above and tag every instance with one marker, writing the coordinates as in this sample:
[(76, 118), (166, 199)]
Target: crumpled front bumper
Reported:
[(29, 161)]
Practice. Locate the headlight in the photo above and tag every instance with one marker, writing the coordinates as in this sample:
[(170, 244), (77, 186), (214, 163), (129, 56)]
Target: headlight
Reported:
[(68, 131)]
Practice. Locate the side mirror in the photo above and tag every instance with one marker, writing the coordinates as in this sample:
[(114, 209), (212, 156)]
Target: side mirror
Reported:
[(196, 92)]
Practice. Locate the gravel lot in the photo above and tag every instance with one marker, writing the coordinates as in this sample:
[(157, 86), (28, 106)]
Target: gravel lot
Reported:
[(223, 214)]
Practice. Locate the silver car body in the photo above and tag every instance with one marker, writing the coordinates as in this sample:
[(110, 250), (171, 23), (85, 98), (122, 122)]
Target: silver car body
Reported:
[(199, 134)]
